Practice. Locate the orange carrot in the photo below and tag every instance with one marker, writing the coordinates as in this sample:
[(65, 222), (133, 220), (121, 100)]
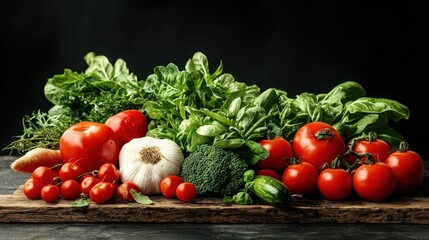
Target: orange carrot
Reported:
[(35, 158)]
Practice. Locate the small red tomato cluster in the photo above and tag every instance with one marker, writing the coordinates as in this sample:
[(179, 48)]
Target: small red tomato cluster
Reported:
[(69, 181), (318, 160), (174, 186)]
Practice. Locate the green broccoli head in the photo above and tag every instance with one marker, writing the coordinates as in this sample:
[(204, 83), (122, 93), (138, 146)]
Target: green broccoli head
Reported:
[(214, 171)]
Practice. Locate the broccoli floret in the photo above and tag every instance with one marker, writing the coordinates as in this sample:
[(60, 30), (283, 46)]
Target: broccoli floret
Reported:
[(215, 171)]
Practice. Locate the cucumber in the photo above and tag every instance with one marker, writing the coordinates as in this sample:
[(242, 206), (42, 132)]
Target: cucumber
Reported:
[(270, 190)]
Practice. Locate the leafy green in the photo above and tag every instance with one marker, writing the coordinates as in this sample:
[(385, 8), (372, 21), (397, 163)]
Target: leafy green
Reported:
[(194, 106)]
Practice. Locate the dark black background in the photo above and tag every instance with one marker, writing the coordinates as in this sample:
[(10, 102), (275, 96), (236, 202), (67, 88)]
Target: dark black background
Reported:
[(299, 47)]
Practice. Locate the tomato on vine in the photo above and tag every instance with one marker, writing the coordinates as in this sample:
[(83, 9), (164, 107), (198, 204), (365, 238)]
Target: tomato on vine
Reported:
[(408, 168), (317, 143), (378, 148), (108, 173), (32, 190), (50, 193), (374, 182), (102, 192), (87, 183), (335, 183), (70, 189), (42, 176), (70, 170)]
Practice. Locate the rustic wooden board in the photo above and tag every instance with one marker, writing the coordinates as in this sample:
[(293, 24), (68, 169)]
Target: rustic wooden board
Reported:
[(411, 209)]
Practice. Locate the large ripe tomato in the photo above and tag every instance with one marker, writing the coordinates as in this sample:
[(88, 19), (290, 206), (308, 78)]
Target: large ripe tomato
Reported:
[(374, 182), (128, 124), (335, 183), (408, 168), (317, 143), (279, 150), (379, 149), (89, 144), (301, 178)]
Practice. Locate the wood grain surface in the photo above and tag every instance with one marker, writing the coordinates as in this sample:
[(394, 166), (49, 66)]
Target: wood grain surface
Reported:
[(412, 209)]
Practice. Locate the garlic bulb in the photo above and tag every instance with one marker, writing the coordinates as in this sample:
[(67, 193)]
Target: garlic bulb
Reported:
[(147, 160)]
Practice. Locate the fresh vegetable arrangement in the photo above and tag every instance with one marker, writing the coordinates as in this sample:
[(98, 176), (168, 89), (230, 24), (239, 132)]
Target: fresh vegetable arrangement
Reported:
[(195, 133)]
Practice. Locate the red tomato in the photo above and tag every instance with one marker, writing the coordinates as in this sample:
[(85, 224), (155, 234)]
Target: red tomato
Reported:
[(279, 150), (379, 149), (42, 176), (169, 184), (108, 173), (89, 144), (335, 183), (32, 190), (409, 170), (317, 143), (102, 192), (127, 125), (70, 170), (374, 182), (50, 193), (70, 189), (301, 178), (269, 172), (186, 192), (87, 183), (124, 191)]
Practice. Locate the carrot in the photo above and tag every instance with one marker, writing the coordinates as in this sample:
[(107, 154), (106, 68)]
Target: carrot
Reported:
[(35, 158)]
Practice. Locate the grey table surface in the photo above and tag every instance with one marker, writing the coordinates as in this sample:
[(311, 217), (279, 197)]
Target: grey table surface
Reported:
[(10, 181)]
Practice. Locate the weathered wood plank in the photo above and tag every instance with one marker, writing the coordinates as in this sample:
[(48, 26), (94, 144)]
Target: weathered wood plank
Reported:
[(412, 209)]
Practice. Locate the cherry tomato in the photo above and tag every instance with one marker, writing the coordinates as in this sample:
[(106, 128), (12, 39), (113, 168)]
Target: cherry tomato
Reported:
[(317, 143), (409, 170), (42, 175), (32, 190), (102, 192), (335, 183), (279, 150), (87, 183), (124, 191), (127, 125), (89, 144), (374, 182), (379, 149), (301, 178), (108, 173), (169, 184), (70, 170), (186, 191), (269, 172), (50, 193), (70, 189)]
